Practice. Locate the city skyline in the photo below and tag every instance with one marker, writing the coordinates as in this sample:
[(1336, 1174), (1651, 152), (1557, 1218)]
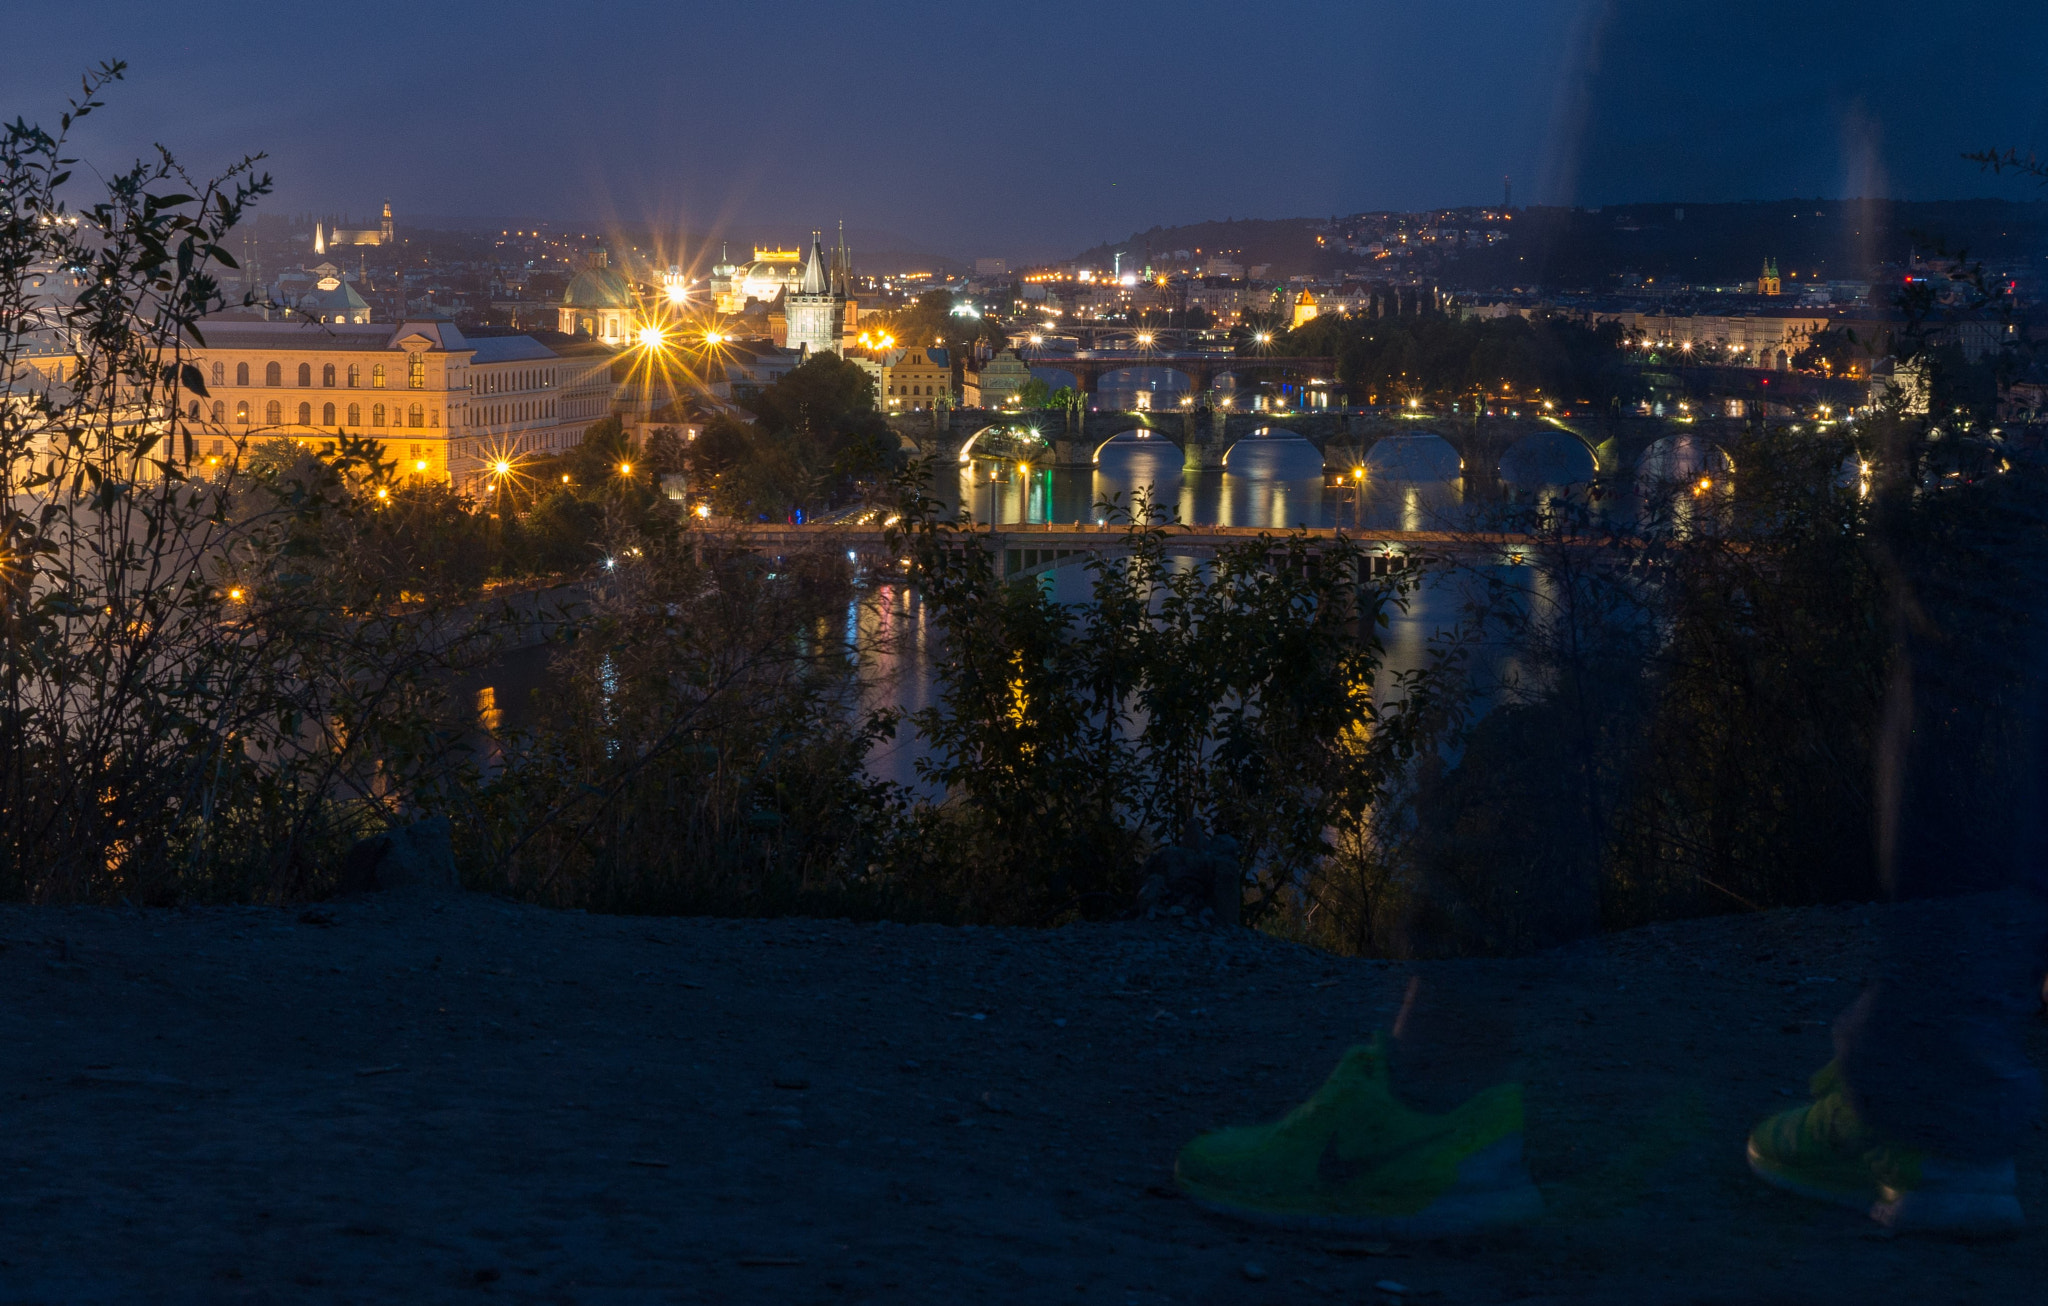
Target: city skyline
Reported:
[(814, 113)]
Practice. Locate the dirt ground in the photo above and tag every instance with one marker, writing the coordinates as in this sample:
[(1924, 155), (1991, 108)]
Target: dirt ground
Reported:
[(382, 1101)]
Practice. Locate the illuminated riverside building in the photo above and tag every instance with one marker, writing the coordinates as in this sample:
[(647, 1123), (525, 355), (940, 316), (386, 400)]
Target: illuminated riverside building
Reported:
[(444, 406), (406, 385)]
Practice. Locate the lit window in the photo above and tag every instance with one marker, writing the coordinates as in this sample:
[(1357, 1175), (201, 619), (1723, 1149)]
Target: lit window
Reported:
[(416, 372), (377, 377), (355, 414), (376, 414), (327, 376), (416, 416), (355, 375), (242, 411)]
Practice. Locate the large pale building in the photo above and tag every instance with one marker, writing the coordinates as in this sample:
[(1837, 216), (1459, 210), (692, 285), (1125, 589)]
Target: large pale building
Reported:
[(445, 407)]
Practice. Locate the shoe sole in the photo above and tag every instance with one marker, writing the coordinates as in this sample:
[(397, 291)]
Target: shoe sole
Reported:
[(1957, 1213), (1858, 1199), (1493, 1191)]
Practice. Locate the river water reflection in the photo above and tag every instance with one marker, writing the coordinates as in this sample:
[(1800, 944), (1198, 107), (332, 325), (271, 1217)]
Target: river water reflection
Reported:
[(1274, 483)]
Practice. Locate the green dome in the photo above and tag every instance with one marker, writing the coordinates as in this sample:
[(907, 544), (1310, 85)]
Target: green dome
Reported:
[(598, 288)]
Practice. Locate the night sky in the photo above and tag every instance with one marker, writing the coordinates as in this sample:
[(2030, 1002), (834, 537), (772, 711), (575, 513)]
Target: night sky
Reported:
[(1032, 130)]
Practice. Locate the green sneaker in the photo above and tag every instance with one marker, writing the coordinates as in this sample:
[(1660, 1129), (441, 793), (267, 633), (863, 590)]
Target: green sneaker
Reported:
[(1353, 1159), (1823, 1151)]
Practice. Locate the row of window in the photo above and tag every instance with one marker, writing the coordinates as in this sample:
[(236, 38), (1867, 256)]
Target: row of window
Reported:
[(418, 453), (417, 415), (534, 378), (273, 374), (531, 410), (911, 389), (528, 443)]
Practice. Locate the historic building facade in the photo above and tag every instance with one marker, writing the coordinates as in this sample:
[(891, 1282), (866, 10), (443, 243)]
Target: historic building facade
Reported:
[(817, 309), (598, 304), (997, 382), (915, 378)]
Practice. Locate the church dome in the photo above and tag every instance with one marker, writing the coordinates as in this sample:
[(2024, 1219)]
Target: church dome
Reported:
[(598, 288), (335, 300)]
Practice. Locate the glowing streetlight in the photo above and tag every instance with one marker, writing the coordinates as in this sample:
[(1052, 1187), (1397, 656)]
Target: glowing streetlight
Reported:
[(625, 469), (703, 510), (652, 337), (501, 468)]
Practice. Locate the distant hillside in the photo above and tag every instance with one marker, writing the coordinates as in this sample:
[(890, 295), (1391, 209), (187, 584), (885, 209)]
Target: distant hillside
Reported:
[(1288, 244), (1708, 243), (1557, 248)]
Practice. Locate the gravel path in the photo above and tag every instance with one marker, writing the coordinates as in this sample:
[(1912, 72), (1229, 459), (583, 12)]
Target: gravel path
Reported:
[(387, 1101)]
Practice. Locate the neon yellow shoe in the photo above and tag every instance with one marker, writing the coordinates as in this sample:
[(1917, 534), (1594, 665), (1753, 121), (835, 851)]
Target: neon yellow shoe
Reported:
[(1353, 1159), (1823, 1151)]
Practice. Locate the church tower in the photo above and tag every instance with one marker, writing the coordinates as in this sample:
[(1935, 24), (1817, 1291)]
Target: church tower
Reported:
[(384, 227), (1768, 283), (816, 306)]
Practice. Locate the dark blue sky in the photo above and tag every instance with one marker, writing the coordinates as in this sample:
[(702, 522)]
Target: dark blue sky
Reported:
[(1041, 129)]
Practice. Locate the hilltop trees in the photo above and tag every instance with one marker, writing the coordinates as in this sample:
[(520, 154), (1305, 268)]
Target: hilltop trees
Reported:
[(1443, 359)]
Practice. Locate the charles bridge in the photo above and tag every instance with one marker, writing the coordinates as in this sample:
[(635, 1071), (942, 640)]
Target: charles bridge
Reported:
[(1075, 437)]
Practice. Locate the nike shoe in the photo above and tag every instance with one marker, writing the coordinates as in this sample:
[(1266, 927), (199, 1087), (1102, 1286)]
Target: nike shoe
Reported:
[(1823, 1151), (1353, 1159)]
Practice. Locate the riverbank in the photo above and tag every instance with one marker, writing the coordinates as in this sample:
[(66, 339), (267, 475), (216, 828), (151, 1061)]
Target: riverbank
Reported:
[(377, 1100)]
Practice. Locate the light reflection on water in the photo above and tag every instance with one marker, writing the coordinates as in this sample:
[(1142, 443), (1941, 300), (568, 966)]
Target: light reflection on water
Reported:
[(1275, 483)]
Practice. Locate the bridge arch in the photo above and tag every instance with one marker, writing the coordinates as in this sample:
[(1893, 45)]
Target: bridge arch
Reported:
[(1680, 458), (1420, 456), (1014, 441), (1546, 458), (1270, 434), (1136, 433)]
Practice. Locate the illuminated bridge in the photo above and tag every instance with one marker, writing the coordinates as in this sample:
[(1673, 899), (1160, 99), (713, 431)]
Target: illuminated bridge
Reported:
[(1026, 548)]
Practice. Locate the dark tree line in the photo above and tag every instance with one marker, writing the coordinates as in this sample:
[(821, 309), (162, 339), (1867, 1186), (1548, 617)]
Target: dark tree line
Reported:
[(1444, 359)]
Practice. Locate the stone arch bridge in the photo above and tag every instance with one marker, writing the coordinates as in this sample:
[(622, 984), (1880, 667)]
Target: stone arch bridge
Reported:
[(1075, 438)]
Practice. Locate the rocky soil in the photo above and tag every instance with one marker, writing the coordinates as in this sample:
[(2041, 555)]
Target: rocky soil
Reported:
[(474, 1101)]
